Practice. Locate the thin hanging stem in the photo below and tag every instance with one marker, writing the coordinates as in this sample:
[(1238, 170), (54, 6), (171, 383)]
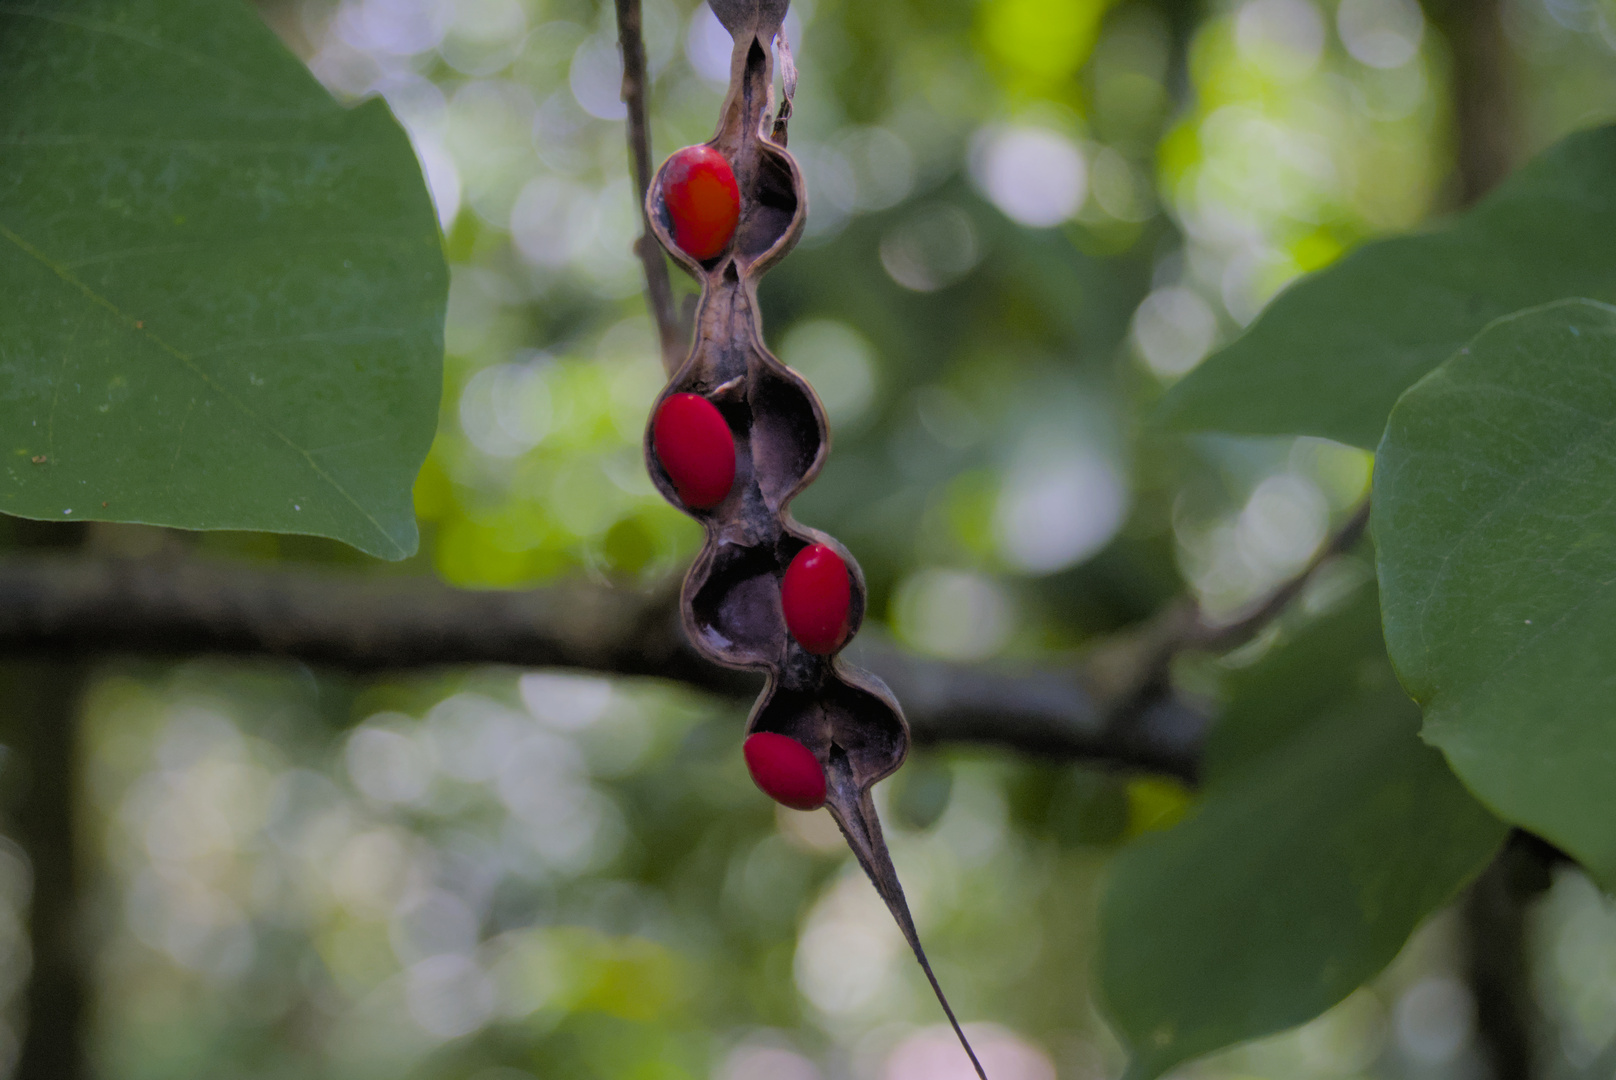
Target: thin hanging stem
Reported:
[(658, 287), (1264, 611)]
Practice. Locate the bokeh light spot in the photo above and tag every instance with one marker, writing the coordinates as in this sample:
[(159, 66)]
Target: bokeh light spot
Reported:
[(1059, 504), (838, 361), (1381, 33), (935, 1054), (1284, 36), (1174, 329), (1036, 176), (934, 247), (953, 614)]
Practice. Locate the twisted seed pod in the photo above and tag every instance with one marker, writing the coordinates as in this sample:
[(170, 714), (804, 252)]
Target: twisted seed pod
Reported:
[(731, 600)]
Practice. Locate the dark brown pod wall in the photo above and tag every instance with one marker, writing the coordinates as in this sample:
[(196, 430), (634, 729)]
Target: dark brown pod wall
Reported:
[(731, 597)]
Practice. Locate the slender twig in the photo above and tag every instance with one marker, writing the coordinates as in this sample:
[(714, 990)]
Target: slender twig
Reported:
[(1113, 705), (1133, 670), (1230, 635), (658, 286)]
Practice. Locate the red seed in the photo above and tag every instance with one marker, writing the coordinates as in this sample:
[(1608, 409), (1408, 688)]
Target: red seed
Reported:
[(696, 448), (703, 200), (785, 770), (817, 595)]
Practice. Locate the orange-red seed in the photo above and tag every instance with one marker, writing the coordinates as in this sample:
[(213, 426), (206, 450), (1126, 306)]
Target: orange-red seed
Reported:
[(817, 598), (703, 200), (785, 770), (695, 447)]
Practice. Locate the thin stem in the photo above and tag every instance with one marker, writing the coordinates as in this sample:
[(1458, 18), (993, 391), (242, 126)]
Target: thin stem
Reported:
[(959, 1032), (1250, 624), (658, 287), (1138, 665)]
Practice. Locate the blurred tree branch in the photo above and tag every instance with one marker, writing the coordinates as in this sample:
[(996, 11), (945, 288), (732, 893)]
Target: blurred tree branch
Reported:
[(1140, 664), (1483, 92), (39, 717), (1497, 956), (67, 606), (40, 702), (1249, 623), (1113, 704)]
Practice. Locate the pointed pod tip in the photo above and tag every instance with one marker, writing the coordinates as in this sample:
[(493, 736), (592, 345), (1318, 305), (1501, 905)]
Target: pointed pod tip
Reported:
[(854, 811)]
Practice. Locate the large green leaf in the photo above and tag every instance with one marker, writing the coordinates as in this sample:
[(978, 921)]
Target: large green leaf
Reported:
[(1328, 831), (1332, 353), (223, 293), (1495, 515)]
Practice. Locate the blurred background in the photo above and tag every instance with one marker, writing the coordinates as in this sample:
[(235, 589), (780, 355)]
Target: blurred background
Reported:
[(1027, 218)]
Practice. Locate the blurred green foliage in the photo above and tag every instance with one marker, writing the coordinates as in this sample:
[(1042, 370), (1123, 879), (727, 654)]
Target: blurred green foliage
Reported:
[(1028, 219), (1332, 356)]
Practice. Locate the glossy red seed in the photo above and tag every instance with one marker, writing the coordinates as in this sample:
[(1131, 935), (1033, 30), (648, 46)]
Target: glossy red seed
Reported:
[(695, 446), (785, 770), (817, 595), (703, 200)]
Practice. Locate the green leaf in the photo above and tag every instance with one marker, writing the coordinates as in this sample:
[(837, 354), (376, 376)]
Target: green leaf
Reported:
[(1496, 524), (1327, 832), (1332, 353), (224, 292)]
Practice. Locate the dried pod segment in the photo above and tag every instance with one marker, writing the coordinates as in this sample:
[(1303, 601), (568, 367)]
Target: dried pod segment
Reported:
[(732, 438)]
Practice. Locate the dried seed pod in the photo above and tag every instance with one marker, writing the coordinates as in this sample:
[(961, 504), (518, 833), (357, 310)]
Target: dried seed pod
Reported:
[(732, 602)]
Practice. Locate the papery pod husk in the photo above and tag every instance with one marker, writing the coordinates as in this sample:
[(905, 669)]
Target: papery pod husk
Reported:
[(731, 597)]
